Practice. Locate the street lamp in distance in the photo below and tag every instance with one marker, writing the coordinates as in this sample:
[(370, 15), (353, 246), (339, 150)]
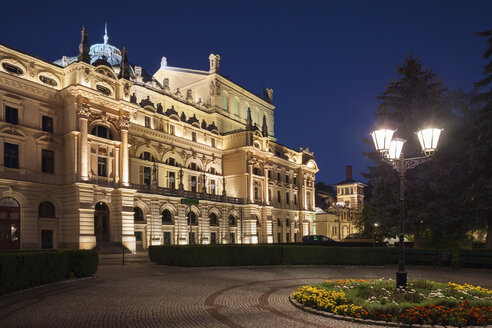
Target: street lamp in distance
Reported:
[(391, 150)]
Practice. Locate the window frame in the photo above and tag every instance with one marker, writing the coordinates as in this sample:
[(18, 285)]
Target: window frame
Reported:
[(47, 166)]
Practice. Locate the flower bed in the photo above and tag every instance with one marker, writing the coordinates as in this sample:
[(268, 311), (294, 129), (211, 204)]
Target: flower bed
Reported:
[(423, 302)]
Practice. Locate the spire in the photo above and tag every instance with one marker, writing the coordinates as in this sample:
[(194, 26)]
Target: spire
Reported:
[(249, 121), (264, 127), (106, 37), (84, 48), (125, 67)]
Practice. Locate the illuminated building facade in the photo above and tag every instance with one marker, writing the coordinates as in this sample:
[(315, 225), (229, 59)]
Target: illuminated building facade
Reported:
[(96, 151)]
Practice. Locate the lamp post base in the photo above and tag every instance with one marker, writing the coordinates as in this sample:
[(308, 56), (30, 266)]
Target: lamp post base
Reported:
[(401, 279)]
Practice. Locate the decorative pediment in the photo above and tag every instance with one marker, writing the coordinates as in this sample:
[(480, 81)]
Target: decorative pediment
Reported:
[(193, 119), (172, 112)]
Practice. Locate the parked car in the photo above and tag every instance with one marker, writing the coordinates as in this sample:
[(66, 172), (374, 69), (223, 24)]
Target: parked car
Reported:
[(357, 238), (391, 241), (317, 239)]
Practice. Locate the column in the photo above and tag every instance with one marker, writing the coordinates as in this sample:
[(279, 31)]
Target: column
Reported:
[(266, 185), (83, 111), (125, 176), (250, 174)]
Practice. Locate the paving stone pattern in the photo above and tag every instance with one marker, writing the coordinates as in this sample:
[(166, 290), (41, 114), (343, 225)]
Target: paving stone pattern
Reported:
[(142, 294)]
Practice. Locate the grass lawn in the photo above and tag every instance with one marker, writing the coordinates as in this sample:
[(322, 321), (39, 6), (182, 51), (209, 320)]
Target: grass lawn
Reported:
[(422, 302)]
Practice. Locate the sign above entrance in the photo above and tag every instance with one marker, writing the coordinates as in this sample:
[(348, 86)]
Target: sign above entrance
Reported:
[(189, 201)]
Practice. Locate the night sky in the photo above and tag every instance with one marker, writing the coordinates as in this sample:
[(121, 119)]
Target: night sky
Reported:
[(325, 60)]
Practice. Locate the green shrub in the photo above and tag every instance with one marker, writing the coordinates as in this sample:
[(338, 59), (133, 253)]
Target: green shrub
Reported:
[(24, 269), (244, 255), (477, 258)]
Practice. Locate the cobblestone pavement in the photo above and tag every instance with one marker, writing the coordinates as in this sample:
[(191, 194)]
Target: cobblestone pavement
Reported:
[(142, 294)]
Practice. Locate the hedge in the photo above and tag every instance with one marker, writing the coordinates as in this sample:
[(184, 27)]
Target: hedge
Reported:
[(24, 269), (477, 258), (244, 255)]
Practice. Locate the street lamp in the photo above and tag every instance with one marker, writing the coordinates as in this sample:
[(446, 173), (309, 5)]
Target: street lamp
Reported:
[(391, 150)]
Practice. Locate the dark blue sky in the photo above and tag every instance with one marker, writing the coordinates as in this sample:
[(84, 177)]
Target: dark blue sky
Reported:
[(325, 60)]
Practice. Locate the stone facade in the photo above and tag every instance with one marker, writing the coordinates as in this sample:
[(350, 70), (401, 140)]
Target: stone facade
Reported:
[(94, 151)]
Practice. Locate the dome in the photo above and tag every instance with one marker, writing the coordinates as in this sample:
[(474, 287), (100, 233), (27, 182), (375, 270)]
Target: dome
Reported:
[(111, 53)]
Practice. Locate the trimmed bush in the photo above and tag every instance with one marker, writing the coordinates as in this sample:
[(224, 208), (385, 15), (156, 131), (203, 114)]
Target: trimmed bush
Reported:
[(244, 255), (24, 269), (477, 258)]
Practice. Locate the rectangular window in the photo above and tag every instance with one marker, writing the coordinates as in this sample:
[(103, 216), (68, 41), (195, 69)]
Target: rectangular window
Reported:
[(147, 122), (167, 238), (101, 166), (138, 236), (11, 115), (287, 237), (295, 180), (172, 129), (279, 199), (233, 238), (48, 161), (46, 239), (286, 178), (212, 142), (47, 124), (146, 176), (256, 193), (278, 176), (287, 198), (212, 187), (172, 180), (193, 136), (11, 155), (295, 199), (269, 174), (193, 183), (213, 238), (269, 195), (279, 237)]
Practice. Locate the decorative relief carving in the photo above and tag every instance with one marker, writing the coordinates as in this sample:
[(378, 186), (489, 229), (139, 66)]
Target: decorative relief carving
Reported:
[(212, 88), (31, 69), (86, 75), (217, 88)]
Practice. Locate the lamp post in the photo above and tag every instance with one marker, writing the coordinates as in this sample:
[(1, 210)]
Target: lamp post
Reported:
[(390, 148)]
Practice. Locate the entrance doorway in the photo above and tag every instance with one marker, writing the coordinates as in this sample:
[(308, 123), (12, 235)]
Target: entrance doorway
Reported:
[(9, 224), (101, 223)]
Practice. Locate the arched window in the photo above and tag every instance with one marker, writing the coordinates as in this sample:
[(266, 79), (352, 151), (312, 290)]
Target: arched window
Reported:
[(146, 156), (225, 101), (171, 161), (138, 214), (279, 223), (167, 217), (232, 220), (46, 210), (213, 219), (102, 132)]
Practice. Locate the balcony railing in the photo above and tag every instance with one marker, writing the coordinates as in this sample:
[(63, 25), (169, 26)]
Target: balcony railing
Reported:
[(186, 194), (102, 181)]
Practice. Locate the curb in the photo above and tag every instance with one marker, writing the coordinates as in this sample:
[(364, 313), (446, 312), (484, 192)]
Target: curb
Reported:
[(300, 306)]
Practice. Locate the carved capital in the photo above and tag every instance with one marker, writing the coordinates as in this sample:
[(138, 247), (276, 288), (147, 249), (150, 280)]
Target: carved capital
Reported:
[(83, 110), (124, 122)]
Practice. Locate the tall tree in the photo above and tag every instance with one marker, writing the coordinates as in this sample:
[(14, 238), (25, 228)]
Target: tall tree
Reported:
[(480, 153)]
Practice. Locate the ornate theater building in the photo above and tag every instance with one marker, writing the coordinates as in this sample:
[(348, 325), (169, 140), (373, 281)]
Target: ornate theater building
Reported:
[(95, 151)]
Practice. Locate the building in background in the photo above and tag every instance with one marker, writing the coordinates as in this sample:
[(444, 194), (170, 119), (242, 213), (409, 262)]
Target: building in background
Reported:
[(337, 220), (97, 151)]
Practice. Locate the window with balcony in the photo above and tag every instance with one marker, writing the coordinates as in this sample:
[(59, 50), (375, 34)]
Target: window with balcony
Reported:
[(146, 176), (11, 115), (11, 155), (101, 166), (257, 196), (172, 180), (47, 124), (48, 161), (193, 183), (212, 187)]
